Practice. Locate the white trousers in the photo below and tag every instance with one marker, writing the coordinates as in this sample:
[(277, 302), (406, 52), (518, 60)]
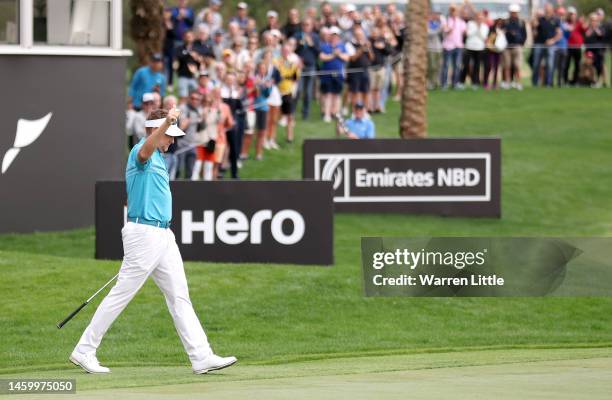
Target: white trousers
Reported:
[(149, 250)]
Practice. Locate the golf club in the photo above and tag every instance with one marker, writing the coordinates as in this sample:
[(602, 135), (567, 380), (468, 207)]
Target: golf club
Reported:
[(75, 312)]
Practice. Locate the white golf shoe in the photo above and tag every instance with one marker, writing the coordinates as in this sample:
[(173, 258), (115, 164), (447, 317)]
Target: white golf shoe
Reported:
[(211, 363), (88, 362)]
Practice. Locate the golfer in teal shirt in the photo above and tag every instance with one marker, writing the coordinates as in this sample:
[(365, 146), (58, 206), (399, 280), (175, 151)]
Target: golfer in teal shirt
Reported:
[(148, 187), (150, 249)]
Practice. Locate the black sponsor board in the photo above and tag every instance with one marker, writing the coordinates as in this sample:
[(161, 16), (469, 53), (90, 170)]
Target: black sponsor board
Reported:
[(233, 221), (63, 130), (454, 177)]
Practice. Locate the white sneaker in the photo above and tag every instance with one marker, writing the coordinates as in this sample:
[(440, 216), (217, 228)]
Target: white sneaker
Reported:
[(327, 119), (345, 111), (506, 85), (519, 86), (274, 145), (266, 144), (88, 362), (283, 121), (213, 362)]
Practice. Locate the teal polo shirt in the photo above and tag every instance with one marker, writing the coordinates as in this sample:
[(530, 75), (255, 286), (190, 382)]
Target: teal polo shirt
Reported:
[(148, 187)]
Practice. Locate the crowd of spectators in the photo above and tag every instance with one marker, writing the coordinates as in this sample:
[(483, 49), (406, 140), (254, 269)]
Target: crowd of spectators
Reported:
[(468, 46), (236, 81)]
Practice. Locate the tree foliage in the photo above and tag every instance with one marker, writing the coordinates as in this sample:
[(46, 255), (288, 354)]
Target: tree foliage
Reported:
[(587, 6)]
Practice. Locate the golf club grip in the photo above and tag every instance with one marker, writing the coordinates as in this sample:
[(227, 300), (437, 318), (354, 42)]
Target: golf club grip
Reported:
[(72, 314)]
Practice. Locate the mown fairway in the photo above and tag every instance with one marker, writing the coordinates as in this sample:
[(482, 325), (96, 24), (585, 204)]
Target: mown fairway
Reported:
[(557, 175)]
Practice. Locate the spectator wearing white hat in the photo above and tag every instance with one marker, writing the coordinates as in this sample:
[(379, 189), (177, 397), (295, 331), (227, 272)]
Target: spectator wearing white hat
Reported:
[(333, 56), (242, 15), (272, 24), (512, 57), (345, 21), (135, 120), (277, 36), (270, 41)]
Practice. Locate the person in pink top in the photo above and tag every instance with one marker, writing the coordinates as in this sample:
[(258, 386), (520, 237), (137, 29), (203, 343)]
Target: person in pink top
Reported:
[(453, 29)]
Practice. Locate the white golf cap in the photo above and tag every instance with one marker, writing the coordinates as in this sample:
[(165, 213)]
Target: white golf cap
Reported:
[(148, 97), (572, 10), (351, 7), (514, 8), (334, 30), (272, 13), (173, 130), (242, 4)]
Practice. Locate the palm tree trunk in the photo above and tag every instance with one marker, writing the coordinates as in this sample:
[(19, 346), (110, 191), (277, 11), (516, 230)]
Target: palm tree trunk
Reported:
[(413, 119), (146, 27)]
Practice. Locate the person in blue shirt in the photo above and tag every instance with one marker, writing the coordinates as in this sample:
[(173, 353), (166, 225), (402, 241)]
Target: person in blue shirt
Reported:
[(242, 15), (183, 18), (150, 249), (334, 56), (147, 79), (359, 127)]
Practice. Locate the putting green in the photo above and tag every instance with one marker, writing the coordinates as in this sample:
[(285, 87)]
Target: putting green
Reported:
[(500, 374)]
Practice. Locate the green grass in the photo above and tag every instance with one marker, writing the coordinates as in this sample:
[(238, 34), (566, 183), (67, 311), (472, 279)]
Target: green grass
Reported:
[(173, 379), (556, 169)]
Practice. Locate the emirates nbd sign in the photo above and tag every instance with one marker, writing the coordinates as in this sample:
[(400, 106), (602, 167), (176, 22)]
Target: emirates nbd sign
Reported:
[(440, 176)]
